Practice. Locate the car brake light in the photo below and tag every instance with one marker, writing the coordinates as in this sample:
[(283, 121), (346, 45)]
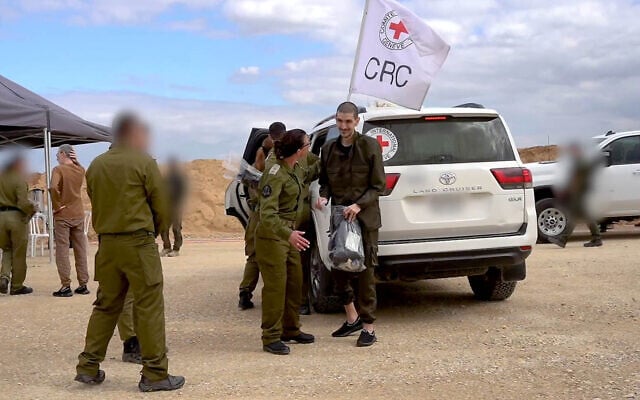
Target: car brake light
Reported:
[(513, 178), (436, 118), (392, 181)]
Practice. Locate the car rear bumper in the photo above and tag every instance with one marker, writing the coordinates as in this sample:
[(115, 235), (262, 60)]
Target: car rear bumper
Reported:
[(510, 262)]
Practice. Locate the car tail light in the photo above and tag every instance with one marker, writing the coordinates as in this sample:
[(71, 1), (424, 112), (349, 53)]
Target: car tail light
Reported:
[(392, 181), (436, 118), (513, 178)]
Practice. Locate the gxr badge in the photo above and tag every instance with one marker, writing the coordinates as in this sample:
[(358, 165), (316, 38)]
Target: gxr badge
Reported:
[(448, 178)]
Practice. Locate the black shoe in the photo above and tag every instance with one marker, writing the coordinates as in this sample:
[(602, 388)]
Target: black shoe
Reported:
[(91, 380), (347, 329), (82, 290), (131, 351), (305, 309), (277, 348), (63, 292), (245, 302), (557, 241), (4, 285), (302, 338), (594, 243), (169, 383), (23, 290), (366, 339)]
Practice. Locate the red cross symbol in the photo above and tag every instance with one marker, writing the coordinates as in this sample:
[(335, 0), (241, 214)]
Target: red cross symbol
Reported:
[(382, 142), (399, 29)]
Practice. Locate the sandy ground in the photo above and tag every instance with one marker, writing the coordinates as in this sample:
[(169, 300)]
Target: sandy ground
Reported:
[(571, 331)]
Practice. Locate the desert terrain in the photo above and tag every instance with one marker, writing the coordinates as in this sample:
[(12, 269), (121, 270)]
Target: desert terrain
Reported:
[(570, 331)]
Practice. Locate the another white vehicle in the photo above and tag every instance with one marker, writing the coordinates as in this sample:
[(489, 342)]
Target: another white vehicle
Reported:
[(459, 201), (616, 188)]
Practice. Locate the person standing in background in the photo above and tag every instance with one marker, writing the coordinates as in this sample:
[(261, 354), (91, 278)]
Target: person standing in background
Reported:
[(176, 183), (15, 212), (68, 216)]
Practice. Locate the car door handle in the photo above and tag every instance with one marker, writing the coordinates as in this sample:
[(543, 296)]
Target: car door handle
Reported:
[(636, 172)]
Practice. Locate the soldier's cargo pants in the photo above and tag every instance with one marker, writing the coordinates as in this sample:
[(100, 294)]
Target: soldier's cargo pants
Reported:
[(65, 232), (128, 262), (14, 240), (126, 326), (367, 301), (281, 295), (251, 270), (176, 228)]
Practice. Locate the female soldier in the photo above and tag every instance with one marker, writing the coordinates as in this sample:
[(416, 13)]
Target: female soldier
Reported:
[(278, 245)]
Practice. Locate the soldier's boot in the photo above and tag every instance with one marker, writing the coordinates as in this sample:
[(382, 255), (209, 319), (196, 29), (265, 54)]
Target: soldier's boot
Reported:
[(174, 253), (165, 252), (277, 348), (169, 383), (245, 302), (131, 352), (594, 243), (302, 338), (21, 291), (64, 291), (4, 285), (305, 308), (91, 380)]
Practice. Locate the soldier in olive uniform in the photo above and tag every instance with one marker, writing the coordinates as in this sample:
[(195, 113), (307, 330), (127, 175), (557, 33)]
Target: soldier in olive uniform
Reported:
[(129, 211), (279, 243), (15, 212), (251, 270), (352, 175)]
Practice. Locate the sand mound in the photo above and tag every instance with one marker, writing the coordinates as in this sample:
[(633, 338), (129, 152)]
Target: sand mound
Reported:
[(205, 213)]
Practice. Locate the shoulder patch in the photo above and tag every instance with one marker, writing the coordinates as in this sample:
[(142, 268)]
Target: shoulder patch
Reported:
[(274, 170), (266, 191)]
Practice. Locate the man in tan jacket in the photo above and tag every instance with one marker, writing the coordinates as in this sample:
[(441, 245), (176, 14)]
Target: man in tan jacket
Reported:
[(66, 197)]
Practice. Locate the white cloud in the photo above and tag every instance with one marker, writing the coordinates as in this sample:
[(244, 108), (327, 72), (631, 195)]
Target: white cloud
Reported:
[(246, 75)]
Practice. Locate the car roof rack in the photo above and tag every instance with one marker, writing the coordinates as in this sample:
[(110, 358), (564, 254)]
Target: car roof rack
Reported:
[(610, 133), (469, 105), (361, 110)]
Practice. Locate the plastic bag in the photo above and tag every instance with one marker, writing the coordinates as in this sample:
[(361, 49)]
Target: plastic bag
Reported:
[(346, 249), (249, 175)]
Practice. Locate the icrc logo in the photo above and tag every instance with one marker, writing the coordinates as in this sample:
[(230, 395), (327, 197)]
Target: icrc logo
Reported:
[(393, 33), (448, 178)]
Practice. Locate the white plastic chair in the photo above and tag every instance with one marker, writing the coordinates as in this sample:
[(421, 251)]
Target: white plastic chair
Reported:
[(38, 230), (87, 222)]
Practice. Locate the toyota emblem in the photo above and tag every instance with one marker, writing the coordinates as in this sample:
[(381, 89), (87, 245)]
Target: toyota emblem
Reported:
[(448, 178)]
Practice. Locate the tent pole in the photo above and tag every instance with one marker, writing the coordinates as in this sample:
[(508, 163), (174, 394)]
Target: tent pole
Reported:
[(47, 160)]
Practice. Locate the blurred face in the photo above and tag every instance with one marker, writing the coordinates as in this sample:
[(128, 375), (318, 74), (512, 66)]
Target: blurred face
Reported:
[(140, 137), (21, 166), (347, 124), (304, 150)]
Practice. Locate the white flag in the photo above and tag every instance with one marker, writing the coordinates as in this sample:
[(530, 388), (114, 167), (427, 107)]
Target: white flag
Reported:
[(398, 55)]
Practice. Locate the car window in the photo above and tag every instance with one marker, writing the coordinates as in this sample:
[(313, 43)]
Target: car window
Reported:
[(322, 136), (625, 150), (444, 140)]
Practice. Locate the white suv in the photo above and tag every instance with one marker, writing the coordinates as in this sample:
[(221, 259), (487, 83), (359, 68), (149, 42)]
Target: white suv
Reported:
[(458, 202)]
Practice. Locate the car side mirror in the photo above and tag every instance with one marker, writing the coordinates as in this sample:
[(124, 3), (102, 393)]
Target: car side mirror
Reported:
[(607, 158)]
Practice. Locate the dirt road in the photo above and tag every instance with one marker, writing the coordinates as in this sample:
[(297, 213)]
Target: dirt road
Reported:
[(571, 331)]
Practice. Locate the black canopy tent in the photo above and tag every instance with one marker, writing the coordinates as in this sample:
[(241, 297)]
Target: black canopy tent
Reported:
[(32, 121)]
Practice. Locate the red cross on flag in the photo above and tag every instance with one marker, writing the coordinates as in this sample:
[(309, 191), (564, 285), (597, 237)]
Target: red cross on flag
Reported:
[(398, 55)]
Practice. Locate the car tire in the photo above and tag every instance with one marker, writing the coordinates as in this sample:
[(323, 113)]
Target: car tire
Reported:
[(487, 287), (551, 220), (323, 298)]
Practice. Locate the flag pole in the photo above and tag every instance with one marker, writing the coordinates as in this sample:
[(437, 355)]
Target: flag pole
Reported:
[(357, 57)]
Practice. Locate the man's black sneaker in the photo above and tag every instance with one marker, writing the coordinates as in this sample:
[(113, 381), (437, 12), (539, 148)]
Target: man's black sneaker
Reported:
[(347, 329), (63, 292), (82, 290), (131, 351), (594, 243), (302, 338), (91, 380), (4, 285), (169, 383), (245, 302), (22, 290), (366, 338), (557, 241), (305, 309), (277, 348)]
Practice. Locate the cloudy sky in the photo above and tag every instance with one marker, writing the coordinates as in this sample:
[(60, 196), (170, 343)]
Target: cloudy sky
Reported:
[(206, 71)]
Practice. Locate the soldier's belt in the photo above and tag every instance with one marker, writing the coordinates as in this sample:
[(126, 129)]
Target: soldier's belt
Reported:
[(140, 232)]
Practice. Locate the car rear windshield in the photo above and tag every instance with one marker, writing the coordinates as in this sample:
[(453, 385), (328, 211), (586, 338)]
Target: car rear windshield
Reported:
[(442, 141)]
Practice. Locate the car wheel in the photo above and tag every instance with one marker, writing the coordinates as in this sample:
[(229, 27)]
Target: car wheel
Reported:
[(489, 288), (323, 298), (553, 220)]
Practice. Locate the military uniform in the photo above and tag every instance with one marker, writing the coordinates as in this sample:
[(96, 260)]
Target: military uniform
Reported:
[(355, 175), (15, 212), (251, 270), (129, 209), (280, 206)]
